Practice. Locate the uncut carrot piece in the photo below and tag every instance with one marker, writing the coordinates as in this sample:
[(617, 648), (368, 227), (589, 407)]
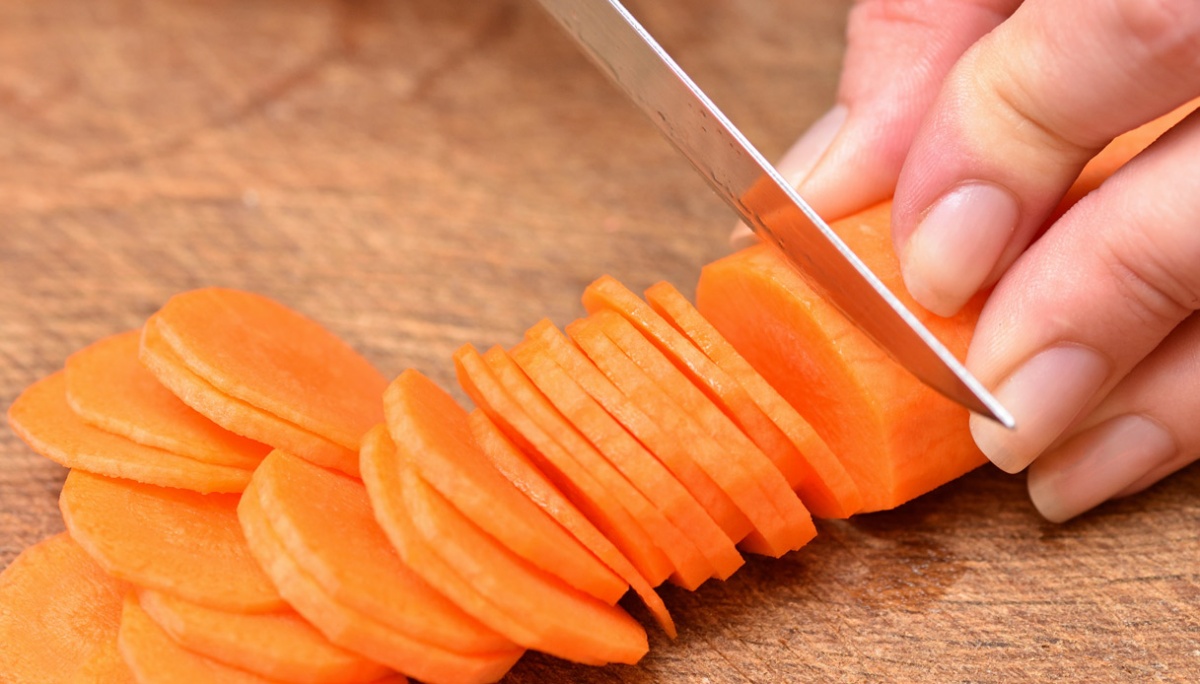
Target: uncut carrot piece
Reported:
[(621, 449), (281, 645), (352, 560), (109, 388), (432, 433), (234, 414), (355, 630), (672, 451), (42, 418), (797, 527), (517, 469), (824, 484), (171, 540), (583, 490), (272, 357), (58, 611)]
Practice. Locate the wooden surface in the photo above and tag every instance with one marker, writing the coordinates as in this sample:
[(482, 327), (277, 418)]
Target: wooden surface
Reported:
[(420, 174)]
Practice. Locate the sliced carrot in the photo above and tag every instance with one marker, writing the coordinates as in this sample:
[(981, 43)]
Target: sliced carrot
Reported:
[(517, 469), (431, 432), (104, 665), (109, 388), (281, 645), (43, 419), (742, 471), (234, 414), (355, 630), (171, 540), (579, 485), (59, 611), (822, 481), (642, 469), (260, 351), (647, 426)]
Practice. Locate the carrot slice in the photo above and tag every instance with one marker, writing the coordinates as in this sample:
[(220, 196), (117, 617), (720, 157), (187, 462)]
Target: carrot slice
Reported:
[(579, 485), (234, 414), (104, 665), (821, 480), (431, 431), (260, 351), (355, 630), (780, 521), (642, 469), (59, 610), (279, 645), (43, 419), (171, 540), (109, 388), (517, 469)]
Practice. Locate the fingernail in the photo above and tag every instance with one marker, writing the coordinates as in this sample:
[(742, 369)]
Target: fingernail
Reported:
[(1044, 395), (804, 154), (958, 243), (1096, 465)]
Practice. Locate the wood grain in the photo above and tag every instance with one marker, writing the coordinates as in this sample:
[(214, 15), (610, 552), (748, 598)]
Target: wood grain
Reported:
[(426, 173)]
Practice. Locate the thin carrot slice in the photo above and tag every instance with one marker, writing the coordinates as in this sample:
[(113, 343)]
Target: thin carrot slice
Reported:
[(822, 481), (104, 665), (43, 419), (281, 645), (234, 414), (171, 540), (637, 464), (746, 476), (666, 444), (109, 388), (583, 490), (355, 630), (517, 469), (260, 351), (431, 431), (58, 611)]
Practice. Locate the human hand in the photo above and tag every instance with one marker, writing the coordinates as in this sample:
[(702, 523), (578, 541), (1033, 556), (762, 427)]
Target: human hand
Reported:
[(980, 114)]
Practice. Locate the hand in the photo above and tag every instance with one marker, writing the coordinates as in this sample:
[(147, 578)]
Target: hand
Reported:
[(980, 114)]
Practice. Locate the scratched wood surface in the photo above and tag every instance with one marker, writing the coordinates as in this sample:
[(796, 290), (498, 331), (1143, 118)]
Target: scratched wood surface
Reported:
[(420, 174)]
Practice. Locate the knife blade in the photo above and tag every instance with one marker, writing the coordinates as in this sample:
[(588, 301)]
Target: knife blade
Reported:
[(631, 57)]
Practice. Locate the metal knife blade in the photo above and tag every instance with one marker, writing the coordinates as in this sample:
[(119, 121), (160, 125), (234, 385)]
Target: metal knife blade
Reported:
[(624, 50)]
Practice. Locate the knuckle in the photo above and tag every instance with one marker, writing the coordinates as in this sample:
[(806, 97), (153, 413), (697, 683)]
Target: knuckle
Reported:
[(1157, 280), (1167, 32)]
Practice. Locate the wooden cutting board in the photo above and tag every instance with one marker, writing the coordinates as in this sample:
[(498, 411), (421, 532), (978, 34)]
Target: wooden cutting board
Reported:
[(420, 174)]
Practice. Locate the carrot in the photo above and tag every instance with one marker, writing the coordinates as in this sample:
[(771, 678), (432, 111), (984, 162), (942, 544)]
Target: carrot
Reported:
[(110, 389), (234, 414), (42, 418), (432, 433), (578, 484), (517, 469), (258, 350), (355, 630), (103, 665), (642, 469), (821, 480), (59, 612), (171, 540), (278, 645)]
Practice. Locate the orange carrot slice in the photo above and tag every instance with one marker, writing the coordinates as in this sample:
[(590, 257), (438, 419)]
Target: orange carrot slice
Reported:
[(43, 419), (59, 611), (822, 481), (279, 645), (260, 351), (579, 485), (104, 665), (109, 388), (355, 630), (431, 432), (171, 540), (517, 469), (234, 414), (642, 469), (748, 477)]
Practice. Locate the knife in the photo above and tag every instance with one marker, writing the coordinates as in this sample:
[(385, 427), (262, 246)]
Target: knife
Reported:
[(624, 50)]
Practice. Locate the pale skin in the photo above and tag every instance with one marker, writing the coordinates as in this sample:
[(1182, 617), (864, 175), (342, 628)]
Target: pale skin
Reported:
[(979, 114)]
